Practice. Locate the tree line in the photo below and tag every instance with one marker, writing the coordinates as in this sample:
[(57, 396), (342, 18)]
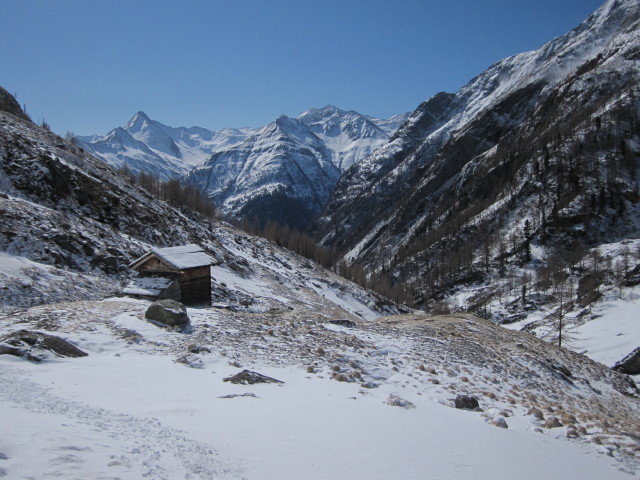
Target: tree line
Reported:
[(178, 195), (306, 246)]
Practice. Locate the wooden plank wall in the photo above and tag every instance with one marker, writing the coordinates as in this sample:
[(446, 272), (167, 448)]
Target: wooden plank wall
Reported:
[(195, 285), (155, 265)]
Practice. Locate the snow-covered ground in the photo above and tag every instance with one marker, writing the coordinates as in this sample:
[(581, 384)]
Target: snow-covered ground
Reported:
[(614, 333), (374, 400), (133, 409)]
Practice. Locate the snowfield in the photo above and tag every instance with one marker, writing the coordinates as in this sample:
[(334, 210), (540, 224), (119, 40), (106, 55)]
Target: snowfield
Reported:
[(133, 408)]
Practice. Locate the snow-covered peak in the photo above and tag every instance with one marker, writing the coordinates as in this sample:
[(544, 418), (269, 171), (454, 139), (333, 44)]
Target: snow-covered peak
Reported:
[(551, 63), (151, 133), (314, 115), (349, 135), (285, 128), (390, 125), (333, 122), (121, 136), (139, 122)]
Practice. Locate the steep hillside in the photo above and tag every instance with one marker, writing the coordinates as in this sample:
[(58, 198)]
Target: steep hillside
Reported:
[(532, 162), (10, 105)]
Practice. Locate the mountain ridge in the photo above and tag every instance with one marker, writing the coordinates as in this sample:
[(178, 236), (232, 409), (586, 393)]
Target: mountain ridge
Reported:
[(335, 138), (537, 154)]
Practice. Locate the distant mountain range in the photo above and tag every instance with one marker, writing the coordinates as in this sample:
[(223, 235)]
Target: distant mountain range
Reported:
[(146, 145), (284, 171)]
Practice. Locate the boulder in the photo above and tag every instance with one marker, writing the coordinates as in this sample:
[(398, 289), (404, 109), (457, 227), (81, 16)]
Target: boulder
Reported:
[(629, 364), (500, 422), (168, 312), (247, 377), (466, 402), (30, 345)]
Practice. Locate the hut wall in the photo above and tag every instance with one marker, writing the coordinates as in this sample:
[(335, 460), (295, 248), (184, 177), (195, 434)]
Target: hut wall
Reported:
[(172, 292), (195, 285)]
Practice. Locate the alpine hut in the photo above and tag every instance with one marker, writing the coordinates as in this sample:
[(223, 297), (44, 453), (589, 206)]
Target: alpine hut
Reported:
[(177, 273)]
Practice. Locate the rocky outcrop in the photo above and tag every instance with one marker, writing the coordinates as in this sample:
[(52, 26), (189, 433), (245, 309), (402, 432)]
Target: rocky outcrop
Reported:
[(32, 346), (629, 364), (9, 104), (466, 402)]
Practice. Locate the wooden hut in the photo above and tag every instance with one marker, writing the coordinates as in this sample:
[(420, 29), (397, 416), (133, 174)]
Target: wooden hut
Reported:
[(178, 273)]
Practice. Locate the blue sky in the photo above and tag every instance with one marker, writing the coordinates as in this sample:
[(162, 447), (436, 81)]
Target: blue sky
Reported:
[(88, 65)]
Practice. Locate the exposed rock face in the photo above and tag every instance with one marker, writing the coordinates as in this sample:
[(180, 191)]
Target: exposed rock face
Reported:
[(30, 345), (168, 312), (629, 364), (247, 377)]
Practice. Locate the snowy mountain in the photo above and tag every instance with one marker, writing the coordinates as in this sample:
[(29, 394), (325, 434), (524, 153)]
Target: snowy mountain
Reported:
[(146, 145), (284, 173), (392, 124), (152, 402), (501, 198), (349, 136), (287, 169)]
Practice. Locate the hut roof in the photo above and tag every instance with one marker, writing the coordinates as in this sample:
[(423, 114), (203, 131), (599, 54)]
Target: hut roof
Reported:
[(147, 286), (183, 257)]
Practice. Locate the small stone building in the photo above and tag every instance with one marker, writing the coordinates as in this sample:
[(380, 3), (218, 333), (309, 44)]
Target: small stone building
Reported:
[(178, 273)]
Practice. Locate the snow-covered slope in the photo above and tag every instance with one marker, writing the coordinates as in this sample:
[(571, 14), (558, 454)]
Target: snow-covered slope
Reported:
[(349, 136), (288, 169), (449, 131), (373, 401), (146, 145), (539, 151)]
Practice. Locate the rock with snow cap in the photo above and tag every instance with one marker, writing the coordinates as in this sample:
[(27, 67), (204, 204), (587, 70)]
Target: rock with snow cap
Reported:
[(168, 312), (629, 364), (30, 345)]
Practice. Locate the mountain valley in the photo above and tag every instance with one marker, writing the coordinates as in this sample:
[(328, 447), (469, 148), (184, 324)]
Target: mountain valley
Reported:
[(477, 315)]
